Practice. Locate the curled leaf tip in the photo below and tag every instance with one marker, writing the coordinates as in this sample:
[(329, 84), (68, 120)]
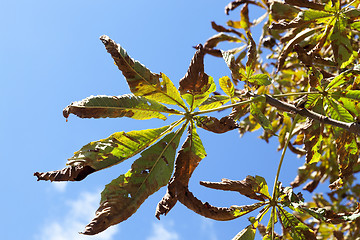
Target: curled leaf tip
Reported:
[(71, 173)]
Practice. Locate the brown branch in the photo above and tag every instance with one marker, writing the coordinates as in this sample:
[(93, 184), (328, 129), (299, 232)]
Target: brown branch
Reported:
[(351, 127)]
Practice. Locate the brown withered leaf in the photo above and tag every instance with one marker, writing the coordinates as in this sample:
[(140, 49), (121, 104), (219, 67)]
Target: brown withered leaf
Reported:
[(248, 187), (297, 22), (215, 125), (195, 78), (290, 45), (165, 204), (310, 186), (347, 153), (220, 37), (252, 53), (188, 158), (303, 56), (312, 142), (234, 4), (138, 77), (70, 173), (306, 3), (220, 28), (244, 15)]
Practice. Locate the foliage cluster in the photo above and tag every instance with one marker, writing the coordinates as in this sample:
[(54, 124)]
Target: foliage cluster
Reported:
[(306, 94)]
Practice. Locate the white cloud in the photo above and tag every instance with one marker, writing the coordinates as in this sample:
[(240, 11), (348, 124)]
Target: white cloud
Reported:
[(207, 228), (60, 186), (80, 213), (160, 232)]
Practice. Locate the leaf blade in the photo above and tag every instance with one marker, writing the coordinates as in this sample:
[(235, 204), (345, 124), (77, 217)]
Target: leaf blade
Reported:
[(127, 105), (124, 195)]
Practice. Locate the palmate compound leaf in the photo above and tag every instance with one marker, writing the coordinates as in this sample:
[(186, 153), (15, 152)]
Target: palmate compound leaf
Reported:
[(141, 80), (105, 153), (123, 196), (127, 105)]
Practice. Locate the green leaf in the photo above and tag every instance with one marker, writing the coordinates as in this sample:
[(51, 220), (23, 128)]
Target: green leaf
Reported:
[(227, 86), (239, 211), (262, 186), (351, 105), (247, 233), (124, 195), (260, 79), (312, 14), (116, 148), (298, 230), (341, 43), (343, 78), (337, 111), (311, 100), (351, 94), (260, 117), (141, 80), (195, 100), (214, 102), (127, 105), (166, 93), (315, 150)]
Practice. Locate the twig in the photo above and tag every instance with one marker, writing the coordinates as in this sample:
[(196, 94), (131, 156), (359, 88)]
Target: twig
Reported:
[(351, 127)]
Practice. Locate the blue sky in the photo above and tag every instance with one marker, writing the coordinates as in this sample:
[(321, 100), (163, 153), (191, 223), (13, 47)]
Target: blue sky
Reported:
[(50, 56)]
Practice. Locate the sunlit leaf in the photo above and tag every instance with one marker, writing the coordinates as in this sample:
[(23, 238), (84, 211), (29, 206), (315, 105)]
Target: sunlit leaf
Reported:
[(337, 111), (105, 153), (215, 125), (260, 117), (232, 65), (340, 42), (347, 153), (242, 210), (195, 99), (220, 37), (141, 80), (260, 79), (244, 17), (247, 233), (298, 230), (227, 86), (124, 195), (312, 14), (214, 102), (342, 78), (127, 105), (188, 158)]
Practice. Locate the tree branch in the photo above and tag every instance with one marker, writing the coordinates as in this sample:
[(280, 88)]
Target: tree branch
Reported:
[(351, 127)]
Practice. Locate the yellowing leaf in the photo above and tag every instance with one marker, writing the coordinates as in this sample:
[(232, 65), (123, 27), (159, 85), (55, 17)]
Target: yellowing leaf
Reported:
[(214, 102), (227, 86), (195, 99), (142, 81), (127, 105), (124, 195)]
